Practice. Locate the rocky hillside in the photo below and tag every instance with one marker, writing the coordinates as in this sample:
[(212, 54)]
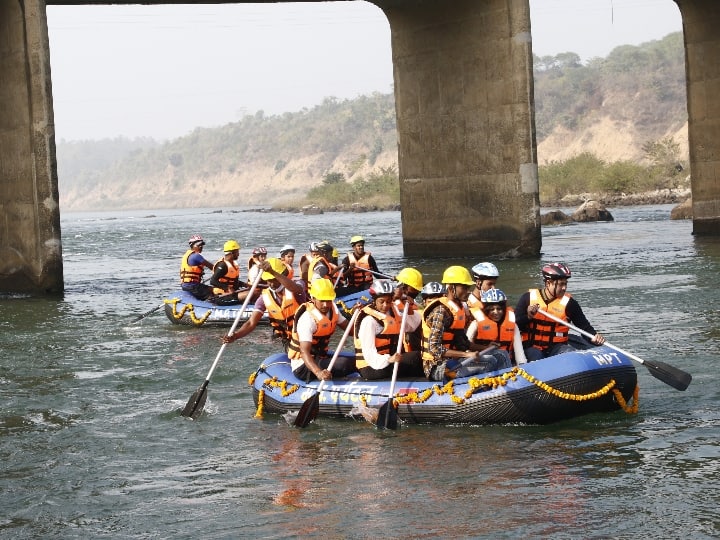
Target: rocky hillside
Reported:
[(610, 107)]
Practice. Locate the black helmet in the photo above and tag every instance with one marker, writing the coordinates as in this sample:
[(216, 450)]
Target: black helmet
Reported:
[(556, 270)]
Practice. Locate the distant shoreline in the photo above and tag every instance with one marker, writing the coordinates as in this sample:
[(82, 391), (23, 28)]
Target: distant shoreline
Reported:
[(661, 196)]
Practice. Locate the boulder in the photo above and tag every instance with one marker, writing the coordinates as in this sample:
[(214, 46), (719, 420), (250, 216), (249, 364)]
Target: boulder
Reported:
[(554, 217), (592, 211), (682, 210), (311, 210)]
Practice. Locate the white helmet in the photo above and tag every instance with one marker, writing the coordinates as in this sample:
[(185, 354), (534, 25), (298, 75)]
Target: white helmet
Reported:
[(484, 270)]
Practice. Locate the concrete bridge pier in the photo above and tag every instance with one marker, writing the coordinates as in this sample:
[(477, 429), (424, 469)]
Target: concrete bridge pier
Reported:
[(701, 29), (463, 76), (30, 249)]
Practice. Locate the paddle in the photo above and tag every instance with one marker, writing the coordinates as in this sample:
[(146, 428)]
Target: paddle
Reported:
[(387, 417), (339, 277), (668, 374), (310, 407), (378, 274), (197, 401), (147, 313)]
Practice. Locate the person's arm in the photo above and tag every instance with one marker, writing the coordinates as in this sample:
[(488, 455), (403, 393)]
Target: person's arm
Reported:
[(247, 327), (517, 348), (342, 321), (471, 331), (369, 328), (290, 284), (218, 272), (576, 316), (372, 264), (521, 311)]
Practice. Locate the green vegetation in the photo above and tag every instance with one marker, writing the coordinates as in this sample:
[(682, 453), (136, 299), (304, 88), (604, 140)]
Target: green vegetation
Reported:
[(380, 189), (337, 142), (643, 84)]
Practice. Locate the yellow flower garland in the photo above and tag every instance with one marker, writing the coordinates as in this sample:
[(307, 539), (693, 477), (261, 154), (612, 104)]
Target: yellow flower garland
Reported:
[(623, 404), (261, 402), (564, 395), (177, 315), (474, 384)]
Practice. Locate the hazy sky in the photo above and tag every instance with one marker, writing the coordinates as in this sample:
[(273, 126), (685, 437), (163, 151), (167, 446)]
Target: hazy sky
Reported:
[(161, 71)]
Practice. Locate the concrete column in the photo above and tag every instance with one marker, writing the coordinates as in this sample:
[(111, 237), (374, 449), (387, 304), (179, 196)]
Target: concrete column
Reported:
[(466, 129), (701, 27), (30, 248)]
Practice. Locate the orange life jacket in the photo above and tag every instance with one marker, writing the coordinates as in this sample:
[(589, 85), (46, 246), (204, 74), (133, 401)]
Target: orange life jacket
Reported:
[(282, 315), (543, 332), (230, 279), (190, 274), (385, 342), (412, 340), (449, 334), (357, 277), (321, 337), (490, 331), (321, 260)]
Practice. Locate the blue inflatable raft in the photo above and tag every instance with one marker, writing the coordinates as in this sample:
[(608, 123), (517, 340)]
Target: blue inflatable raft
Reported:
[(556, 388), (183, 308)]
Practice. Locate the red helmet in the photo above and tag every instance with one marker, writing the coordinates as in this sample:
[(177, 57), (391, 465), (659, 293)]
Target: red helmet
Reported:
[(556, 270), (259, 251)]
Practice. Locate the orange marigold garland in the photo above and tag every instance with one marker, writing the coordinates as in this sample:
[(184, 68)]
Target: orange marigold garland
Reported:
[(630, 409)]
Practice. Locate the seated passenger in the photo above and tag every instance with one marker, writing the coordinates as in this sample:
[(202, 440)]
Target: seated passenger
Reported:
[(377, 331), (493, 326)]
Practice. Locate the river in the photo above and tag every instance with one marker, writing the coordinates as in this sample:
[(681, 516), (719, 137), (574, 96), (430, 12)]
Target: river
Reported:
[(92, 443)]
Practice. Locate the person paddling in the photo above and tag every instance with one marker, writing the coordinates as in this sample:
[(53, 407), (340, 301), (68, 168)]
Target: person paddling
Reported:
[(281, 299), (192, 267), (355, 267), (226, 275), (542, 336), (315, 322), (377, 331)]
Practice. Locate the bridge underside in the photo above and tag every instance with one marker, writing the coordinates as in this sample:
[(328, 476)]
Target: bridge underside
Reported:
[(466, 135)]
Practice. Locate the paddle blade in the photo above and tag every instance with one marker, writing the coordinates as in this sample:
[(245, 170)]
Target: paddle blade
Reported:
[(195, 404), (677, 378), (387, 416), (147, 313), (308, 411)]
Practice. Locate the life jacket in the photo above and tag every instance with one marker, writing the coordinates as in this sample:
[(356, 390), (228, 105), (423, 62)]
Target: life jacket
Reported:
[(282, 315), (230, 279), (305, 259), (543, 332), (357, 277), (385, 342), (321, 337), (321, 260), (490, 331), (291, 272), (449, 334), (412, 340), (189, 274), (474, 301)]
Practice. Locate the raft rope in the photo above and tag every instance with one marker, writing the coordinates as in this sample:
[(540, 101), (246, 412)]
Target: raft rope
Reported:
[(475, 385), (177, 315)]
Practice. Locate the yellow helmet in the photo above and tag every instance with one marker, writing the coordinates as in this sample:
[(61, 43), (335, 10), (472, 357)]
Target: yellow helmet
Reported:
[(231, 245), (277, 265), (410, 277), (457, 275), (322, 289), (355, 239)]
